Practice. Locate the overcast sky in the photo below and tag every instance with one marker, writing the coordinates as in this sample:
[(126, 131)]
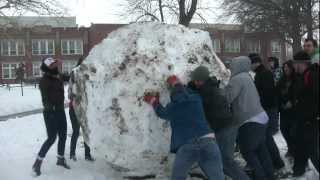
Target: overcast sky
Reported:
[(107, 11)]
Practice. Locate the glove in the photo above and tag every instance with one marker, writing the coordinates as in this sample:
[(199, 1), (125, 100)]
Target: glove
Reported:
[(172, 80), (152, 99)]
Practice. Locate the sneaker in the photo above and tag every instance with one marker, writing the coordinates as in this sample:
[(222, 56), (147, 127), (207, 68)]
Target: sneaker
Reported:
[(73, 157), (89, 158), (36, 168), (62, 162)]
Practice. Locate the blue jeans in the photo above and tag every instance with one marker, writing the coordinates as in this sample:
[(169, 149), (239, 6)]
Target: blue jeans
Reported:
[(226, 139), (203, 151), (252, 142)]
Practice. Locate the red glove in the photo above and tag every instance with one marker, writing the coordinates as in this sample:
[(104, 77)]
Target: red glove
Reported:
[(150, 99), (173, 80)]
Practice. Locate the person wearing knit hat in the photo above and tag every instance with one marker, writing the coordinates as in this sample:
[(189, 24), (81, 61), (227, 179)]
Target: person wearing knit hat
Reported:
[(52, 93), (307, 114), (201, 73), (192, 140), (219, 116)]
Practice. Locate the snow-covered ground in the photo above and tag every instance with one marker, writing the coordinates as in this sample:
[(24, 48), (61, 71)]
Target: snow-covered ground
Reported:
[(21, 138), (13, 102)]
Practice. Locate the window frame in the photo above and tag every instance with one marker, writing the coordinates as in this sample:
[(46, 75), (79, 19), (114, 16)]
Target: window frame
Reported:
[(70, 65), (233, 48), (33, 69), (75, 43), (217, 45), (10, 43), (12, 74), (253, 43), (46, 46)]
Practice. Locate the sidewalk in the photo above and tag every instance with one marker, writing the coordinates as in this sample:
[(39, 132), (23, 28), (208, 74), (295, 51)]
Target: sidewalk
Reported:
[(23, 114), (19, 115)]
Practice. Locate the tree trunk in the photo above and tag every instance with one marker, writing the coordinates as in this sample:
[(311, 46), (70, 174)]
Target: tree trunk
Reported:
[(161, 11), (185, 17), (309, 19)]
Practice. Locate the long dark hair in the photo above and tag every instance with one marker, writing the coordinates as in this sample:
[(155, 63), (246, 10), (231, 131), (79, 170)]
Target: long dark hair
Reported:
[(289, 63)]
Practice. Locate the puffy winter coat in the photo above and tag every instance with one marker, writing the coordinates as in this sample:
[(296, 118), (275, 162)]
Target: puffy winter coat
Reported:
[(308, 97), (241, 92), (52, 92), (265, 85), (186, 117), (216, 107)]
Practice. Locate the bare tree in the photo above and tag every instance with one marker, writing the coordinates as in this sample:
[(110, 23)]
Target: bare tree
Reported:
[(39, 7), (291, 18), (180, 11)]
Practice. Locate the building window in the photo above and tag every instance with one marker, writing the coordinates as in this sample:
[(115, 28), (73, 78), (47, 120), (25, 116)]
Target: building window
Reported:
[(72, 47), (9, 70), (12, 47), (276, 48), (42, 47), (68, 65), (216, 45), (253, 46), (36, 71), (232, 45)]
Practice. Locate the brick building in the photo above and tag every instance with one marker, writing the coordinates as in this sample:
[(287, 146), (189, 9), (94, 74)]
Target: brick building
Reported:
[(32, 39)]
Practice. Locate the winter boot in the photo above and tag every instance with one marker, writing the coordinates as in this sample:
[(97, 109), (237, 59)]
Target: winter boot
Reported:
[(89, 158), (62, 162), (36, 168), (73, 157)]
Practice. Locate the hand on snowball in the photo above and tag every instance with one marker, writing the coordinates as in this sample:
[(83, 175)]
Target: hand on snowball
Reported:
[(152, 98), (173, 80)]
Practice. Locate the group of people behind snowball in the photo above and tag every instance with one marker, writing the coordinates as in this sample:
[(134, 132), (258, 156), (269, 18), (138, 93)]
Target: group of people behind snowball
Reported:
[(208, 121)]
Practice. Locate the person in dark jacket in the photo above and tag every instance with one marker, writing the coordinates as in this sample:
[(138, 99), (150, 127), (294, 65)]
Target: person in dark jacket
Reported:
[(52, 93), (75, 123), (219, 115), (266, 88), (307, 104), (192, 139), (285, 90)]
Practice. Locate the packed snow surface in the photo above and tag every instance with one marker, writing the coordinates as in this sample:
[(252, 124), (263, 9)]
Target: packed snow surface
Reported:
[(21, 138), (112, 81)]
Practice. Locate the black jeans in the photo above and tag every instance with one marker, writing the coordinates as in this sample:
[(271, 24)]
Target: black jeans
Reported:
[(271, 144), (288, 125), (307, 147), (75, 134), (252, 143), (56, 124)]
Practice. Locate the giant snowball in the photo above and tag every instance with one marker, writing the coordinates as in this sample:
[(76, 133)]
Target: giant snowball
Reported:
[(111, 82)]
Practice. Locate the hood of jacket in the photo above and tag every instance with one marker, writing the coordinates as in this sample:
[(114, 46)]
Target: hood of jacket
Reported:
[(239, 65)]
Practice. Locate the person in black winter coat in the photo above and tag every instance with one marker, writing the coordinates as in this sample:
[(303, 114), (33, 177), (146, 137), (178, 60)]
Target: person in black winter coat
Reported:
[(219, 116), (307, 112), (52, 92), (286, 90), (265, 85)]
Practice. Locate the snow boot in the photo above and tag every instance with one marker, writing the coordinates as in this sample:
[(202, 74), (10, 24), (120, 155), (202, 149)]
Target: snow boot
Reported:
[(89, 158), (36, 168), (62, 162), (73, 157)]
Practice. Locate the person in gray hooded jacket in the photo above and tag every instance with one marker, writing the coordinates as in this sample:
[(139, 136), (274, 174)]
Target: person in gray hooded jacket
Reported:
[(248, 113)]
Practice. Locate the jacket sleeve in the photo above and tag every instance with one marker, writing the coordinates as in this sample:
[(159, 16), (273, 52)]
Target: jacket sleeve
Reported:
[(44, 88), (162, 112), (232, 90)]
